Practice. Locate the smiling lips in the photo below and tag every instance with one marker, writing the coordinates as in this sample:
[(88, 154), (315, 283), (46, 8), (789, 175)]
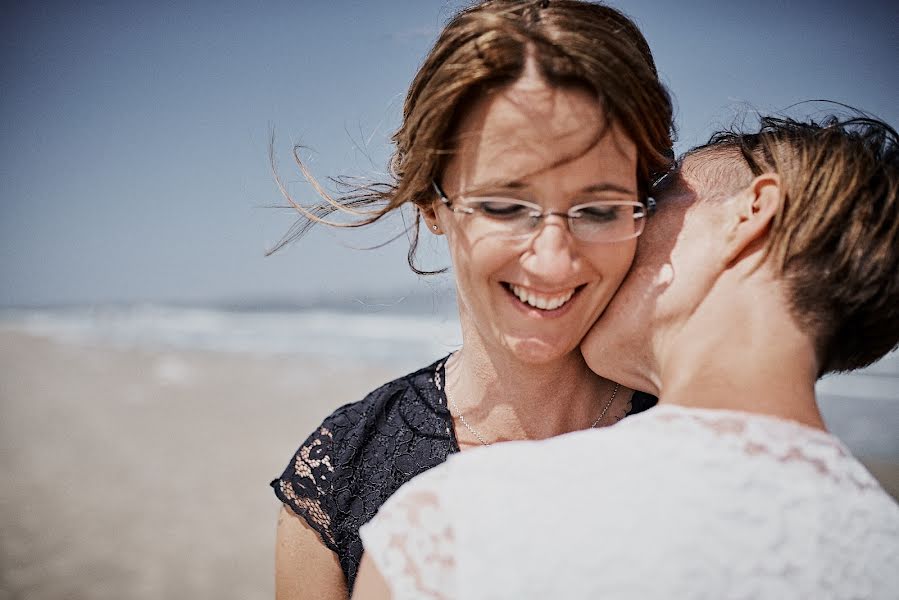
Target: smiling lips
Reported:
[(542, 301)]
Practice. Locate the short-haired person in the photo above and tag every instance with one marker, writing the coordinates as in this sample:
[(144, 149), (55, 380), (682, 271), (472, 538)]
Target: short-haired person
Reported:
[(772, 260)]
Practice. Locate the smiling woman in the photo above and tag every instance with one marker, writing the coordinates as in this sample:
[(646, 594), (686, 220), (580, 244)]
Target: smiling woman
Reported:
[(530, 136), (552, 147)]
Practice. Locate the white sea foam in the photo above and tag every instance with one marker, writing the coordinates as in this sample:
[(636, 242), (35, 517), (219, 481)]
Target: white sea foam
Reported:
[(860, 407), (412, 339), (319, 332)]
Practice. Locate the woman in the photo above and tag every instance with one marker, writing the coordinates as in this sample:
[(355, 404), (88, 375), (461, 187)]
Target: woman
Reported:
[(529, 138), (773, 260)]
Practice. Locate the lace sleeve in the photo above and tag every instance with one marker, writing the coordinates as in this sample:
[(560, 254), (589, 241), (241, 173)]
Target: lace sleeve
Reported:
[(305, 485), (411, 540)]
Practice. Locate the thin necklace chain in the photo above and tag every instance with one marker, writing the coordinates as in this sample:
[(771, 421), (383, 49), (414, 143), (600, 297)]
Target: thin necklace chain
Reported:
[(480, 438)]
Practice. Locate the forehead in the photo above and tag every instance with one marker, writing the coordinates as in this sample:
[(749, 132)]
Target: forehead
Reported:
[(526, 117), (531, 126), (546, 109)]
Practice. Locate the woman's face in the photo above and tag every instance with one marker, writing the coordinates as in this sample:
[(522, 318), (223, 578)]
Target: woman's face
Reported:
[(535, 298)]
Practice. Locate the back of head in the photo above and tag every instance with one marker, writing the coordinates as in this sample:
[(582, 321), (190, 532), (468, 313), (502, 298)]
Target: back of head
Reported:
[(835, 240)]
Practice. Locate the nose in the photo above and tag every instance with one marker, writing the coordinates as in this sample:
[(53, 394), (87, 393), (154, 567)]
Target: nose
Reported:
[(552, 255)]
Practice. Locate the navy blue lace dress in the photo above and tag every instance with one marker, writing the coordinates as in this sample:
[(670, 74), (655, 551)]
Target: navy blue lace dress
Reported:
[(364, 451)]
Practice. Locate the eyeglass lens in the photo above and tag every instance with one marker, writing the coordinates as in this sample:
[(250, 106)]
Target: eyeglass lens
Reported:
[(593, 222)]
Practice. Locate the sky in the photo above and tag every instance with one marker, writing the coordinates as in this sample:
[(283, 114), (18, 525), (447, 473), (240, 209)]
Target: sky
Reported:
[(134, 135)]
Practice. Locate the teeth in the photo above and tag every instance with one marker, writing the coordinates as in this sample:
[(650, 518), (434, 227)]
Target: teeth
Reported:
[(540, 301)]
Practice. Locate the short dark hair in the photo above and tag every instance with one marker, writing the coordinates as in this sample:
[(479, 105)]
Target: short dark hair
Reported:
[(835, 239)]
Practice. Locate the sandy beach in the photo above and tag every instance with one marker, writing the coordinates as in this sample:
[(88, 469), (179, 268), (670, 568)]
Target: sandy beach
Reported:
[(143, 474), (139, 475)]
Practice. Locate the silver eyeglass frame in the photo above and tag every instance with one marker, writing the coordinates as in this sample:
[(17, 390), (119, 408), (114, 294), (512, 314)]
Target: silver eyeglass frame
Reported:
[(537, 212)]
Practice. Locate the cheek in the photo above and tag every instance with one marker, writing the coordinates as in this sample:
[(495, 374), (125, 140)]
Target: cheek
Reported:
[(681, 282), (477, 262), (613, 261)]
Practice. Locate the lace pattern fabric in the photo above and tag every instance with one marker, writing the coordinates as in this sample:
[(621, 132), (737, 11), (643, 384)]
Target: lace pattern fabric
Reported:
[(410, 532), (677, 502), (362, 453)]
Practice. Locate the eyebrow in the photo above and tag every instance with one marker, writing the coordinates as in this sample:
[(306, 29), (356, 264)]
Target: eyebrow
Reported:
[(609, 187), (520, 185)]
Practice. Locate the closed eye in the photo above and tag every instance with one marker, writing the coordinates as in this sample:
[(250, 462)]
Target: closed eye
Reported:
[(600, 213), (498, 208)]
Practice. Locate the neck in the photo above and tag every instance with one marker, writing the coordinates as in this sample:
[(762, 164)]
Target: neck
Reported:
[(504, 398), (741, 351)]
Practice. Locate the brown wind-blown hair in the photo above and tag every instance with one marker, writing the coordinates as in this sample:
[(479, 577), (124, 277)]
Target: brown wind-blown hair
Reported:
[(483, 48), (835, 240)]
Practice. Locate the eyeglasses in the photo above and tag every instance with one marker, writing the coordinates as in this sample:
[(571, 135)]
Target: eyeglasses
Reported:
[(601, 221)]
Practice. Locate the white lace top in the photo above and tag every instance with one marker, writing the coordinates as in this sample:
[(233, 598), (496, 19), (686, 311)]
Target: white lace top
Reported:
[(671, 503)]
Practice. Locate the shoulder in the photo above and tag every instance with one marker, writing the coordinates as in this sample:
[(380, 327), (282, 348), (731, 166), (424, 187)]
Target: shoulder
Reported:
[(400, 408), (421, 500), (411, 403), (411, 540), (364, 451)]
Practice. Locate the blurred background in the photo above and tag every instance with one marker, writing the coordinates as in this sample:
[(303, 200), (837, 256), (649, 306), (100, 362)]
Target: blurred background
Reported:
[(157, 370)]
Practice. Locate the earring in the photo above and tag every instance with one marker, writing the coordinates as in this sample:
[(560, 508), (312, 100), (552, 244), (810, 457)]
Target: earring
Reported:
[(434, 226)]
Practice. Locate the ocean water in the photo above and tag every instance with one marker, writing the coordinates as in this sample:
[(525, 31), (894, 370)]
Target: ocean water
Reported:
[(861, 407), (395, 339)]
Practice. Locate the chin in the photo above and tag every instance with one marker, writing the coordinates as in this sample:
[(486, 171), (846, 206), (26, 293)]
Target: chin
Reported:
[(534, 351)]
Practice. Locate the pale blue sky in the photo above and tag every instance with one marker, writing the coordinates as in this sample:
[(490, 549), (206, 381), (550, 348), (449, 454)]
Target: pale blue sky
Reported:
[(133, 138)]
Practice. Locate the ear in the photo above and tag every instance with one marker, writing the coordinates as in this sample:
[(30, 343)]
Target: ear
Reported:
[(756, 207), (429, 214)]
